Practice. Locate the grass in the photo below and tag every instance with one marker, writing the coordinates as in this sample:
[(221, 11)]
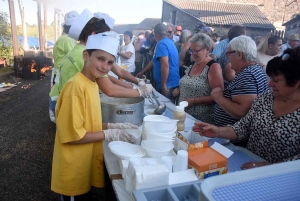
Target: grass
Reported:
[(32, 30), (6, 70)]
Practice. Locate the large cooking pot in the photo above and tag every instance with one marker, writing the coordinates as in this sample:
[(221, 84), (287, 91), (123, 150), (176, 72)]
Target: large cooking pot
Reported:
[(121, 110)]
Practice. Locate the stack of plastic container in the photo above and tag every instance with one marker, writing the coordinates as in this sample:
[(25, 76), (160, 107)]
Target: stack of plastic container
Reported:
[(158, 134)]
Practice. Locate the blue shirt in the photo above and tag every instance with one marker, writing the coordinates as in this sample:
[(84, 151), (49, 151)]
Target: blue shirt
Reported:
[(251, 80), (166, 47), (220, 48)]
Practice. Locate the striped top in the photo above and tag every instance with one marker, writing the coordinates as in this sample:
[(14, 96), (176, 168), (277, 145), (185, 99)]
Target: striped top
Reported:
[(251, 80)]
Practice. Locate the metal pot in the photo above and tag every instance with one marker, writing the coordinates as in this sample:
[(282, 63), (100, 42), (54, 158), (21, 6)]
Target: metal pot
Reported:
[(121, 110)]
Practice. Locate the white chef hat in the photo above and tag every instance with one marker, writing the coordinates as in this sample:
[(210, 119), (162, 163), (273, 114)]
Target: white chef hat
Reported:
[(79, 23), (108, 20), (70, 17), (106, 41)]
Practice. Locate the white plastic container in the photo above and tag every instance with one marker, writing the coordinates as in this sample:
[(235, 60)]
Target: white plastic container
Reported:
[(159, 137), (180, 115), (157, 151)]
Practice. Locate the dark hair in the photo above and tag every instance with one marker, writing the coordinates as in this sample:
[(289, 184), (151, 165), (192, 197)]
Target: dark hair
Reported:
[(128, 33), (66, 28), (289, 68), (94, 25), (90, 51), (236, 31), (273, 39), (214, 34)]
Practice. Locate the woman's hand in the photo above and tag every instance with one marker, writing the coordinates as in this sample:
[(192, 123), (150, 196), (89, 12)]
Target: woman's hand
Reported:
[(250, 165), (190, 101), (216, 93), (176, 92), (205, 129)]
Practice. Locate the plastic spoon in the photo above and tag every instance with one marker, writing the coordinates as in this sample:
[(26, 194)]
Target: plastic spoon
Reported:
[(161, 108)]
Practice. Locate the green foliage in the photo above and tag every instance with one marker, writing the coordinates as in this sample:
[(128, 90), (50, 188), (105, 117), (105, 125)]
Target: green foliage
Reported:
[(5, 36)]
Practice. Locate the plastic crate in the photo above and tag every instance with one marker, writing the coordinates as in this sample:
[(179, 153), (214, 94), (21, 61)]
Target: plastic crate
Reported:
[(179, 192), (272, 182)]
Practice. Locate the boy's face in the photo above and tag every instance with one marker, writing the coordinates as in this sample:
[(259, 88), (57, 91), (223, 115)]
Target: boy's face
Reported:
[(98, 64), (127, 39)]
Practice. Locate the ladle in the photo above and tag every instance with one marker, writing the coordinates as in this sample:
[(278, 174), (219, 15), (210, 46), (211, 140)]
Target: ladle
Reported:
[(161, 108)]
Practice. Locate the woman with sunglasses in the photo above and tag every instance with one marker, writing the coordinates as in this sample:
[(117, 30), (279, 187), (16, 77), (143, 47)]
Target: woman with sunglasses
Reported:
[(273, 123), (199, 79)]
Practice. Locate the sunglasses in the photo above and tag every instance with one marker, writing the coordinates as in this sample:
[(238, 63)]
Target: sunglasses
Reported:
[(170, 32), (230, 52), (179, 30)]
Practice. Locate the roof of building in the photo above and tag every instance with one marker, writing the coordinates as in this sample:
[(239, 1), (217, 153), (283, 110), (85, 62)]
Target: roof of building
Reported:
[(295, 19), (215, 13), (147, 23), (121, 28)]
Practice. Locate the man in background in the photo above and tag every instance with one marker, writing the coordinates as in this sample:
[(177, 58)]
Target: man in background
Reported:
[(178, 30), (293, 42)]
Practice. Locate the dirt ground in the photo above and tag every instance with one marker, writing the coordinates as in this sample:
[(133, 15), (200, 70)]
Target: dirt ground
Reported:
[(26, 142)]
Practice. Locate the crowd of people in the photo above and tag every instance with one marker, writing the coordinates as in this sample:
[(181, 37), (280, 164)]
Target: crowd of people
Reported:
[(239, 88)]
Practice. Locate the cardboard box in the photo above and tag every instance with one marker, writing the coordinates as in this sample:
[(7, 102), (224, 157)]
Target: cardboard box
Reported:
[(188, 140), (209, 161)]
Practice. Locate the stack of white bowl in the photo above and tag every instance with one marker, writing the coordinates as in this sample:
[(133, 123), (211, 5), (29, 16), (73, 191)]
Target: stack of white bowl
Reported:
[(158, 135)]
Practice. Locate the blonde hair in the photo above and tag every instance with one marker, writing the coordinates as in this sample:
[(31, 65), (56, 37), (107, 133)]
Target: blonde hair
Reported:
[(264, 45)]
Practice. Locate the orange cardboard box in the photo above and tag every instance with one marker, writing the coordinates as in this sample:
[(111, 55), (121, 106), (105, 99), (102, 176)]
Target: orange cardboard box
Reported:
[(208, 162), (189, 141)]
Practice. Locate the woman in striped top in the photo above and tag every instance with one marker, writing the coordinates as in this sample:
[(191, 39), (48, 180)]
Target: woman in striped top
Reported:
[(235, 101)]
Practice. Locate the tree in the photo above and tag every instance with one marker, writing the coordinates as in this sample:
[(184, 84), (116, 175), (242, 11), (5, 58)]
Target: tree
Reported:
[(5, 36)]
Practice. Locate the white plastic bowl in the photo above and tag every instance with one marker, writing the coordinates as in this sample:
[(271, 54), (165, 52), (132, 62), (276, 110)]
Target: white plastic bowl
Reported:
[(161, 144), (158, 137), (158, 152), (165, 134), (161, 126)]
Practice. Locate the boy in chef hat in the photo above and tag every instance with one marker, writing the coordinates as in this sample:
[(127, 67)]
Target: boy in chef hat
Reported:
[(78, 149), (63, 45)]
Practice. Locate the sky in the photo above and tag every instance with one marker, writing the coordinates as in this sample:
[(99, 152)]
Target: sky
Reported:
[(123, 11)]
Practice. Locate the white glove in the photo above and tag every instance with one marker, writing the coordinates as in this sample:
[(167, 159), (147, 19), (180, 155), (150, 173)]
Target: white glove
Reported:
[(118, 135), (145, 90), (121, 126), (134, 86)]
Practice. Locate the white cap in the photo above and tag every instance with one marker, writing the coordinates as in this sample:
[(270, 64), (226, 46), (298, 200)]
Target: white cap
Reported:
[(79, 23), (108, 20), (106, 41), (70, 17), (181, 106)]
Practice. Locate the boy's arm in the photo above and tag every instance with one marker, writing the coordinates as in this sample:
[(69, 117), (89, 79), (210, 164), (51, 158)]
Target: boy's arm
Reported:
[(120, 82), (113, 90), (90, 137), (120, 72)]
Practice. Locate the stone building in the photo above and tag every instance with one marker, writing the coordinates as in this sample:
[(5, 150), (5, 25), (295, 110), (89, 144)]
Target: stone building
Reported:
[(292, 26), (220, 16), (275, 10)]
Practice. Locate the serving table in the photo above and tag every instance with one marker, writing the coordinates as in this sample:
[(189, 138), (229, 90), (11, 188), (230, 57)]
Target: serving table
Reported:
[(113, 167)]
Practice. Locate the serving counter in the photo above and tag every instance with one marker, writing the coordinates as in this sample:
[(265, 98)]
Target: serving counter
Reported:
[(239, 157)]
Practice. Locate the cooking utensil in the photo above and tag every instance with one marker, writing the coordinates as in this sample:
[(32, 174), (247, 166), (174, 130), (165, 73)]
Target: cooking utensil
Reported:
[(161, 108), (121, 110)]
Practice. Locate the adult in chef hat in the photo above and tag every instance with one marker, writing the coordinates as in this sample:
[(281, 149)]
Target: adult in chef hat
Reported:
[(83, 26), (63, 45), (108, 20), (78, 149)]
